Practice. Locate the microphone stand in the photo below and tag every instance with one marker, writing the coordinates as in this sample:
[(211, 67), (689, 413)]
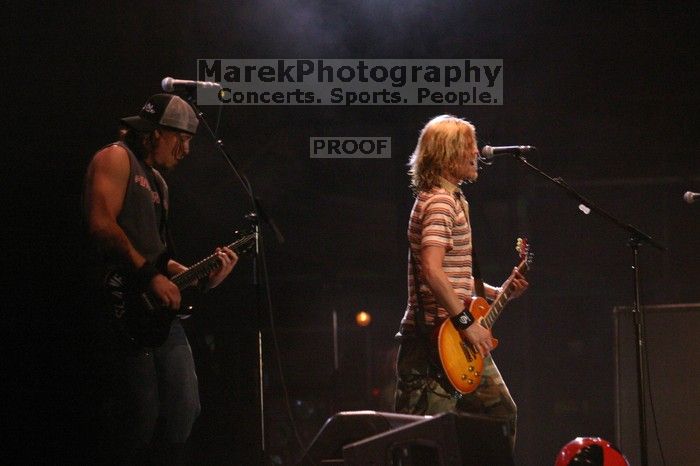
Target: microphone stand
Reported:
[(257, 214), (635, 241)]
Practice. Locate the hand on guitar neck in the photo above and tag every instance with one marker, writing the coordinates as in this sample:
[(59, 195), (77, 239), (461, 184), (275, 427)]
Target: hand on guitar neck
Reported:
[(516, 284), (228, 260), (168, 293)]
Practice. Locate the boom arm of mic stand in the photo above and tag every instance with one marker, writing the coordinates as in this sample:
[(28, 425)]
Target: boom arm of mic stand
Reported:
[(636, 235)]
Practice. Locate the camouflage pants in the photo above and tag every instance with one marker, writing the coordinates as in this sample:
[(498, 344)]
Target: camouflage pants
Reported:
[(422, 388)]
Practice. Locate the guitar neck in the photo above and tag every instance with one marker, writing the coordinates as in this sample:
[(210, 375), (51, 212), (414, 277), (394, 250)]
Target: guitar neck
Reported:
[(207, 265), (502, 299)]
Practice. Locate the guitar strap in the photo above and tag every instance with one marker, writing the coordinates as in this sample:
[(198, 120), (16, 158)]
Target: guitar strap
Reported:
[(433, 367), (476, 274), (476, 269), (164, 231)]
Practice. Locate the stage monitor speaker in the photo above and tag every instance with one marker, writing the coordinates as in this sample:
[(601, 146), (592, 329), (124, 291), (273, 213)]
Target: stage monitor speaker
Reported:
[(448, 439), (347, 427), (672, 349)]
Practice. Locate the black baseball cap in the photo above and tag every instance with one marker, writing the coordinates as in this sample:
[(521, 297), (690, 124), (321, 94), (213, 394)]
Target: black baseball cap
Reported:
[(164, 111)]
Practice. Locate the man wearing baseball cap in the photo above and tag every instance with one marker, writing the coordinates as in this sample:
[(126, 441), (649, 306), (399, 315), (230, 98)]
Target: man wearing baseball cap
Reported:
[(126, 205)]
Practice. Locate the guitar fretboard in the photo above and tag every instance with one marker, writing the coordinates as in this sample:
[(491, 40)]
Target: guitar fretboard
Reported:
[(502, 299), (207, 265)]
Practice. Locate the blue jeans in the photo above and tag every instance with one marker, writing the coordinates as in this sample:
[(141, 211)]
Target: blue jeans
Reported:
[(162, 383)]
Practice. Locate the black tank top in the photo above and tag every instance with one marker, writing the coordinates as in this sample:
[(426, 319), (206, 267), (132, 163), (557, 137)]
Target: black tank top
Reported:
[(145, 209)]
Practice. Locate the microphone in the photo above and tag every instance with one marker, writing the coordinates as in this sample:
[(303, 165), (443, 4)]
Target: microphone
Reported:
[(691, 197), (170, 85), (489, 152)]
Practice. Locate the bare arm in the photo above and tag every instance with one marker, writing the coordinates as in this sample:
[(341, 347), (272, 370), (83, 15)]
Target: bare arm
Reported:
[(175, 268), (491, 291), (106, 183), (107, 179), (436, 278), (520, 284)]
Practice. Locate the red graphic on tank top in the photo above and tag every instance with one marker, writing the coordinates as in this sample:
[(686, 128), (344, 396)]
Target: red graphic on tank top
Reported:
[(143, 182)]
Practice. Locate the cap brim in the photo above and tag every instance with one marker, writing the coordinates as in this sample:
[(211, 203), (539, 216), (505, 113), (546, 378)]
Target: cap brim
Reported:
[(177, 130), (139, 124)]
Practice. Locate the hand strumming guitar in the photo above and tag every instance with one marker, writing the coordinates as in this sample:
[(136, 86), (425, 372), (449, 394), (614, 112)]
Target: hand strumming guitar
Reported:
[(166, 291), (480, 337)]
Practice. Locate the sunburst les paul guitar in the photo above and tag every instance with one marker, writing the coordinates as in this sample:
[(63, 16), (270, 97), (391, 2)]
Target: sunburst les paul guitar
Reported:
[(462, 363), (139, 316)]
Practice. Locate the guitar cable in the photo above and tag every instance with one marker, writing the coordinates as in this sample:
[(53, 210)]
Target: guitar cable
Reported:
[(651, 405)]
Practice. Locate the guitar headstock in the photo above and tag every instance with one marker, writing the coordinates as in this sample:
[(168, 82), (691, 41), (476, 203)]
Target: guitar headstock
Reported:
[(245, 241), (523, 248)]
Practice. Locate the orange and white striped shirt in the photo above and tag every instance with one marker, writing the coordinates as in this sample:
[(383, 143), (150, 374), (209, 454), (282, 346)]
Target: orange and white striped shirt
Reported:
[(440, 217)]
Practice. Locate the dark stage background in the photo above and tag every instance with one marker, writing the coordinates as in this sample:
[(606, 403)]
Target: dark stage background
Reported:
[(607, 93)]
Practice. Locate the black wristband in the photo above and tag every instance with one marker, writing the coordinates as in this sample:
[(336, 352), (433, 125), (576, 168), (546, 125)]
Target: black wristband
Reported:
[(145, 274), (463, 320)]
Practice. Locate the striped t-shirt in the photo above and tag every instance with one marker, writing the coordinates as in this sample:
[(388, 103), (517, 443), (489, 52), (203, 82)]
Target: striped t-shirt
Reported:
[(440, 217)]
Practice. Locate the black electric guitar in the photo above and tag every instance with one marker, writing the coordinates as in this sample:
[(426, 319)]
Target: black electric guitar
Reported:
[(140, 316)]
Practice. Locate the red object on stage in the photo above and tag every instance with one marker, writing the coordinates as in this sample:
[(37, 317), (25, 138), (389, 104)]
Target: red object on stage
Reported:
[(593, 451)]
